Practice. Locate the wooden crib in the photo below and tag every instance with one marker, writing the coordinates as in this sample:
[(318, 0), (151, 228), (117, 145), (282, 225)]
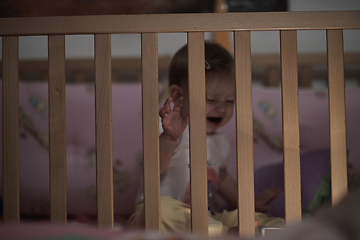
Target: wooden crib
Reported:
[(241, 24)]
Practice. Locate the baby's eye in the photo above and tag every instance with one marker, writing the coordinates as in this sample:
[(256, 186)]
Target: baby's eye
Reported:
[(210, 100), (230, 101)]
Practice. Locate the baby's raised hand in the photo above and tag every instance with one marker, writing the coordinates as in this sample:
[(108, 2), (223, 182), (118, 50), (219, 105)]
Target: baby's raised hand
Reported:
[(172, 122)]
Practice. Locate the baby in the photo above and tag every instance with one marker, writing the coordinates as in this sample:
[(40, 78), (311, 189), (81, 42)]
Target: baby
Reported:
[(174, 147)]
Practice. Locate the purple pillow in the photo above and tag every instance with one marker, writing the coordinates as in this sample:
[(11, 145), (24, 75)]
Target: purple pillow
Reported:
[(315, 165)]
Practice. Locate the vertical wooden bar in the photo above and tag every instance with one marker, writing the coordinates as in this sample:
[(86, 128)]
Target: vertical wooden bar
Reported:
[(10, 128), (335, 51), (197, 114), (57, 128), (306, 76), (150, 110), (244, 133), (290, 114), (103, 129)]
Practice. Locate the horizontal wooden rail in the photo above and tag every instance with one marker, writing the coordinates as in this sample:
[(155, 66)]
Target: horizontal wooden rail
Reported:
[(163, 23)]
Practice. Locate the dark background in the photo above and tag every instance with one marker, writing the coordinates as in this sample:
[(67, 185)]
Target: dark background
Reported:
[(35, 8)]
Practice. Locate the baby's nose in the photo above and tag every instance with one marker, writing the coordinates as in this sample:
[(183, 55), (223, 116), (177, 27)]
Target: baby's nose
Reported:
[(220, 107)]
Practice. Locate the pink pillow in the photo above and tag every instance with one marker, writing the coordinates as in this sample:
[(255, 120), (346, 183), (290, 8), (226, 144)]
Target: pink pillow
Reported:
[(313, 121), (80, 140)]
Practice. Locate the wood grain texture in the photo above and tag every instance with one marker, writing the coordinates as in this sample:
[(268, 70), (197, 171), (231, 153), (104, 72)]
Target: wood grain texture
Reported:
[(150, 114), (197, 114), (103, 130), (10, 128), (259, 21), (290, 115), (244, 134), (335, 49), (57, 128)]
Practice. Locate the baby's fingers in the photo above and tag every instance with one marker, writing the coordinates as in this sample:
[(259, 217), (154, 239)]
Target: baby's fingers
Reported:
[(168, 101), (186, 118), (178, 104), (166, 108), (163, 111)]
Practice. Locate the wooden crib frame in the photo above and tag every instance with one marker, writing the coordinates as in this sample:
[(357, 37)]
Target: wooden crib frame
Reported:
[(195, 25)]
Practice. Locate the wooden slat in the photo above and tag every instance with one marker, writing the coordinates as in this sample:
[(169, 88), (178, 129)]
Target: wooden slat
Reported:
[(10, 128), (57, 128), (335, 51), (103, 125), (207, 22), (197, 114), (290, 114), (150, 109), (244, 133)]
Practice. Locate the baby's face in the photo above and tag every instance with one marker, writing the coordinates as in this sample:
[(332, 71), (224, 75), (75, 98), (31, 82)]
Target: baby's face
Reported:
[(220, 100)]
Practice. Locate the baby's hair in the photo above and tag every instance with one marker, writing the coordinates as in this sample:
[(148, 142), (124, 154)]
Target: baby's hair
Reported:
[(217, 60)]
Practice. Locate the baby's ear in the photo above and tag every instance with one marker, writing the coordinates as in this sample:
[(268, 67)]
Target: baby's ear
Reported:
[(175, 92)]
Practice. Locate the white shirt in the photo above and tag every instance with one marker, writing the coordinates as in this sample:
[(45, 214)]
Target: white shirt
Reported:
[(174, 181)]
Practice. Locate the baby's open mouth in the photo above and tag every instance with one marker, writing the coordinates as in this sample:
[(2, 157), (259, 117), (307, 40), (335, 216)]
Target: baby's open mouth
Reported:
[(214, 119)]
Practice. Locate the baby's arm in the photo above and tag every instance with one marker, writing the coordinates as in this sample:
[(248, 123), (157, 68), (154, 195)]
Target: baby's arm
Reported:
[(173, 125)]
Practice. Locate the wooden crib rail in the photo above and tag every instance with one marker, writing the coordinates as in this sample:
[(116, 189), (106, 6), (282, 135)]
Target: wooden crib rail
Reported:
[(335, 49), (170, 23), (150, 101), (103, 127), (149, 26), (10, 128), (57, 128), (244, 132), (290, 115), (197, 129)]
